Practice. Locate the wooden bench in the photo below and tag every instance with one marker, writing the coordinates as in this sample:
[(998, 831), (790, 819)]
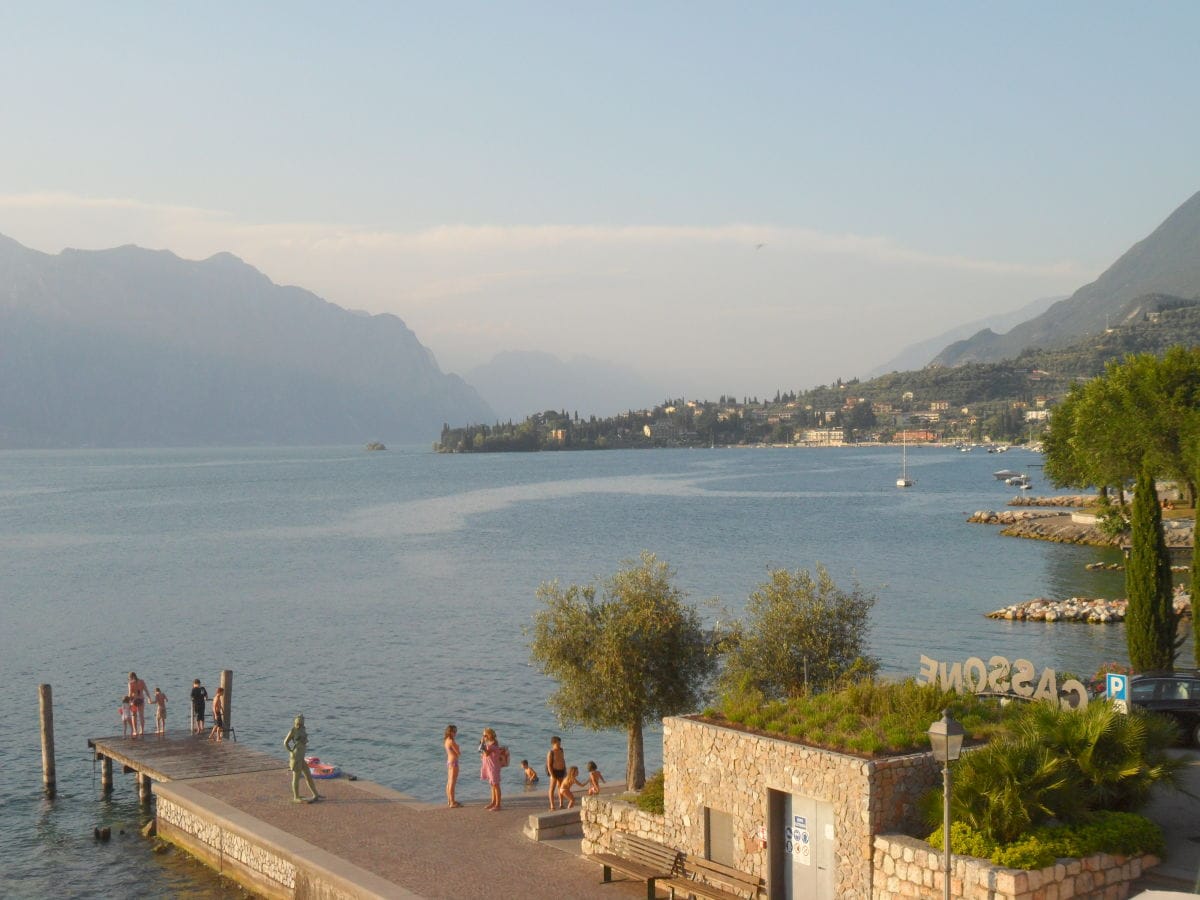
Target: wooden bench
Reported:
[(640, 858), (705, 878)]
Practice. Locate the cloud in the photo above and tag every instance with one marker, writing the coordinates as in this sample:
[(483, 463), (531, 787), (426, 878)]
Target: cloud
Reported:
[(699, 306)]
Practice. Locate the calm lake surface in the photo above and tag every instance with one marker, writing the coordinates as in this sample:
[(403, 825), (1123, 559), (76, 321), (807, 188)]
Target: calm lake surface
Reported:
[(384, 595)]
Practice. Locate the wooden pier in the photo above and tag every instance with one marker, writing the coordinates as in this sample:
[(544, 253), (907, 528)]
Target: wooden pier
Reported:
[(177, 756)]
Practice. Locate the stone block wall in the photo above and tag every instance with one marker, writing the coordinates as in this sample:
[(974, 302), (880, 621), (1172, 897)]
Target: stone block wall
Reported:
[(707, 765), (907, 867), (601, 816)]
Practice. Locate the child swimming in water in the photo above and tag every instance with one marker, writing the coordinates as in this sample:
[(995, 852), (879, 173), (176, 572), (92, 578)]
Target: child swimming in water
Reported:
[(531, 777)]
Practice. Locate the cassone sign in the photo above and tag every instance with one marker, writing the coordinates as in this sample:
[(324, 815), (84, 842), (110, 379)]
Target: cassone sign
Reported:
[(1019, 678)]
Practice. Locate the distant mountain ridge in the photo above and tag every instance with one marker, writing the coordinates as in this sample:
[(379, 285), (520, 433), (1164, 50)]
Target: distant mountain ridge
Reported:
[(919, 355), (135, 347), (1165, 262)]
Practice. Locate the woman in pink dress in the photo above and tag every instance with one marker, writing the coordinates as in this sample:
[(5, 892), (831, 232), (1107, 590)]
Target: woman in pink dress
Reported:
[(452, 752), (489, 770)]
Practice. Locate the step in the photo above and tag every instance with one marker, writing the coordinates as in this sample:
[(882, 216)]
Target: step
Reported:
[(553, 824)]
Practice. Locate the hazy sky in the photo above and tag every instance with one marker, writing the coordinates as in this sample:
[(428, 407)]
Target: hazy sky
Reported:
[(597, 178)]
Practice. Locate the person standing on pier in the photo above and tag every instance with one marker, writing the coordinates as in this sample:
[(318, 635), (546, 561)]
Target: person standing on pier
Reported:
[(138, 692), (452, 754), (199, 701), (218, 729), (296, 744), (160, 712), (556, 769), (489, 770)]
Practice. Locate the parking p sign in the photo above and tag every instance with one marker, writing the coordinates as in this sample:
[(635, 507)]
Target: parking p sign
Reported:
[(1117, 688)]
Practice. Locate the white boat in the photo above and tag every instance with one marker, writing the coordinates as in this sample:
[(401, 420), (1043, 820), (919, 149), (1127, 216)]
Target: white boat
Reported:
[(1004, 474), (904, 481)]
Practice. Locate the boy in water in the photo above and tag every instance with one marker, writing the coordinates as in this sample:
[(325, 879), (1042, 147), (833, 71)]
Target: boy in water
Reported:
[(160, 711), (595, 779), (530, 775)]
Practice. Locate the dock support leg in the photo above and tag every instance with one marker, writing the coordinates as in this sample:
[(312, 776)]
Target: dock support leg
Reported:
[(46, 707), (106, 784), (143, 787)]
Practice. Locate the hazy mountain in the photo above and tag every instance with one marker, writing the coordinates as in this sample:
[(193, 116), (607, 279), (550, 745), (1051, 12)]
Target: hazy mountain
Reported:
[(918, 355), (518, 383), (1166, 262), (133, 347)]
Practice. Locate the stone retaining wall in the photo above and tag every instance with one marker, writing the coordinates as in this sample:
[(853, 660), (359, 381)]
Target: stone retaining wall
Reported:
[(267, 861), (601, 816), (907, 867)]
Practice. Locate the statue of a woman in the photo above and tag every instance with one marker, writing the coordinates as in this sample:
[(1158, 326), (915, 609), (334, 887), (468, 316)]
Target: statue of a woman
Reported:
[(296, 743)]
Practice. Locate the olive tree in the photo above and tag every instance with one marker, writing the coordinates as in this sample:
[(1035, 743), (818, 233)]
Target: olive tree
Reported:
[(800, 634), (625, 652)]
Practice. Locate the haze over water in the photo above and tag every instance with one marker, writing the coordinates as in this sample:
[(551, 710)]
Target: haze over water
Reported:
[(384, 595)]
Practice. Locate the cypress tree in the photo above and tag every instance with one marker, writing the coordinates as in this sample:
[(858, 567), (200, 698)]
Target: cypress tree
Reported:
[(1150, 618)]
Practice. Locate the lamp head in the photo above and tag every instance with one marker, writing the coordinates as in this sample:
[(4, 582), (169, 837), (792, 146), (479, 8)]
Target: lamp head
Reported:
[(946, 737)]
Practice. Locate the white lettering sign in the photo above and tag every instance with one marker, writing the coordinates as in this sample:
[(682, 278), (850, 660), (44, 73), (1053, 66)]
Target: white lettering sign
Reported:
[(998, 676)]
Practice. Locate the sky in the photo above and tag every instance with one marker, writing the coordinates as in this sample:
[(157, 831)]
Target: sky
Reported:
[(725, 197)]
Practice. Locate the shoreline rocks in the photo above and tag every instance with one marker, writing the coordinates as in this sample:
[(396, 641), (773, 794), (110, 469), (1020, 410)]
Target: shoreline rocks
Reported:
[(1088, 610)]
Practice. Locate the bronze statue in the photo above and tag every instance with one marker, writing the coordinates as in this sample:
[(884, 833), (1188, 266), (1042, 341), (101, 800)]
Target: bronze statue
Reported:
[(296, 743)]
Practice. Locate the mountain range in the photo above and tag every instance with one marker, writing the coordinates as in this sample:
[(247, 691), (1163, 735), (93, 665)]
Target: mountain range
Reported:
[(134, 347), (1166, 262)]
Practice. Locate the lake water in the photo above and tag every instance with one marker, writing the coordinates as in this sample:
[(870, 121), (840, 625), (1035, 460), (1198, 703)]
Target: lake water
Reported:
[(384, 595)]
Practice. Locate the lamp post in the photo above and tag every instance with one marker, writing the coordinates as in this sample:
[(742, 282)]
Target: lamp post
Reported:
[(946, 737)]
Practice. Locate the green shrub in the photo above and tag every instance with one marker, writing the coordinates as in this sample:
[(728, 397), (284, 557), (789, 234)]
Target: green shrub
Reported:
[(651, 798), (1126, 834)]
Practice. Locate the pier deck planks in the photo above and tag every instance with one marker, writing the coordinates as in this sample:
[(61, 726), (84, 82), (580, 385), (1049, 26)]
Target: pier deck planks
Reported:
[(179, 756)]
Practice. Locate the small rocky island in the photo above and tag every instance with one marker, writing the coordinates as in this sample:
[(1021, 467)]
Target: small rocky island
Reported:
[(375, 445)]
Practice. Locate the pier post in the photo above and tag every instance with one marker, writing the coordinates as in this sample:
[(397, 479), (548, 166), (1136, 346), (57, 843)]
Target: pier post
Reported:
[(106, 784), (227, 683), (46, 708), (143, 783)]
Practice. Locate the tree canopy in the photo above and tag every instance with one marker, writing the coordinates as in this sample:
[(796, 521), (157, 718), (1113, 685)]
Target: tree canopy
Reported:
[(801, 634), (625, 652)]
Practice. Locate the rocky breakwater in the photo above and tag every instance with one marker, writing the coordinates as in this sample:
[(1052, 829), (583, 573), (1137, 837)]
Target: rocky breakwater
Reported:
[(1081, 609), (1076, 501)]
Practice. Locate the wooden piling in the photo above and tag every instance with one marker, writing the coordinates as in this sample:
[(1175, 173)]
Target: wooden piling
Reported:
[(106, 783), (227, 683), (143, 783), (46, 708)]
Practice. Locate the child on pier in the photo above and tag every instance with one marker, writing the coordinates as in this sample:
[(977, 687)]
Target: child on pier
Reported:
[(160, 711), (566, 798), (125, 711), (595, 779)]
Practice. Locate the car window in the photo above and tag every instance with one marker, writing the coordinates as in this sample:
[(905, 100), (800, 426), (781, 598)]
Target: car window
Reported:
[(1143, 690)]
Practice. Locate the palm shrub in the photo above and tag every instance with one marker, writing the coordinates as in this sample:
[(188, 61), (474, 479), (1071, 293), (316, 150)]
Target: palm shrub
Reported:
[(1059, 765), (1007, 787), (1117, 757)]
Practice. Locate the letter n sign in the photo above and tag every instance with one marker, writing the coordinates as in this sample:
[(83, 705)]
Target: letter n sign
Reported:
[(1117, 688)]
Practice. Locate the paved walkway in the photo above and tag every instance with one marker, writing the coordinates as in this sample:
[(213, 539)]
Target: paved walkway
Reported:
[(428, 849), (1178, 814)]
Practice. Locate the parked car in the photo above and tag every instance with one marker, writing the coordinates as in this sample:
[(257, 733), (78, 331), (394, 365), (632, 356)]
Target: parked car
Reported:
[(1175, 694)]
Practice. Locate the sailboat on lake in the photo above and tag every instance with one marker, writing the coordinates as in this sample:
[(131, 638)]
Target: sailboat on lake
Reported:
[(904, 481)]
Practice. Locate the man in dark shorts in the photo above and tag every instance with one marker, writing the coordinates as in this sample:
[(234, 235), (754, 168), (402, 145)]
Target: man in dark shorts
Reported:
[(199, 701), (556, 769)]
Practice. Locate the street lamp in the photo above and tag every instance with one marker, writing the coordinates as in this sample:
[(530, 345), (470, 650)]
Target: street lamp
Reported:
[(946, 737)]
